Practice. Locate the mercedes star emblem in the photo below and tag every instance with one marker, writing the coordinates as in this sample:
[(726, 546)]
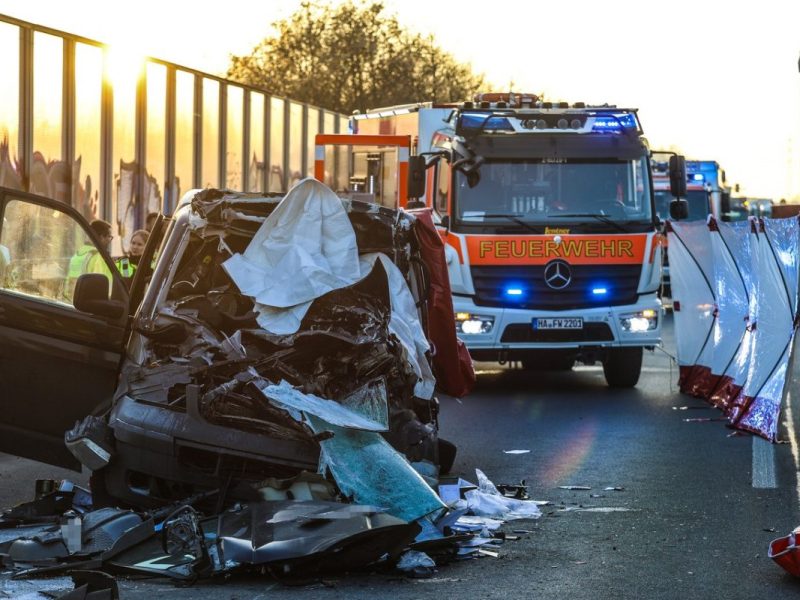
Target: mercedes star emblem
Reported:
[(557, 274)]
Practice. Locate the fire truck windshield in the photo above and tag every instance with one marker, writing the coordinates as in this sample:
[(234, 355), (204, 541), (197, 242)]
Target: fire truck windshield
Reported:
[(697, 199), (548, 191)]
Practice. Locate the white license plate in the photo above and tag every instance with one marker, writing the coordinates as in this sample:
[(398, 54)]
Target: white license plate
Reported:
[(558, 323)]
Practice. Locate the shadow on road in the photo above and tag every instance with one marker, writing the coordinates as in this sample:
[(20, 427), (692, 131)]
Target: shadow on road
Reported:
[(495, 379)]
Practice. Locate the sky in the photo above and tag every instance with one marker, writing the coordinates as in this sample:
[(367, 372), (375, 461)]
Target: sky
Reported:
[(717, 80)]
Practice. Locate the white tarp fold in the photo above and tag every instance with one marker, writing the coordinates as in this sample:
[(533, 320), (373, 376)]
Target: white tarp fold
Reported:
[(757, 406), (304, 249), (742, 241), (691, 271), (730, 245)]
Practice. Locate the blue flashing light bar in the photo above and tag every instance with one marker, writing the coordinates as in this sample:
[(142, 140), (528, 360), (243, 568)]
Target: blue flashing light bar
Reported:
[(478, 120), (698, 177), (614, 122), (514, 291), (599, 291)]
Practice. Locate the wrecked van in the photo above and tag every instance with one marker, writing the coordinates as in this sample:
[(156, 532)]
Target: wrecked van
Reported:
[(183, 382)]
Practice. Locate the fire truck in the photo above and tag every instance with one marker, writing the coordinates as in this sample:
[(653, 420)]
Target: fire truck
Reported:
[(706, 194), (697, 196), (548, 218)]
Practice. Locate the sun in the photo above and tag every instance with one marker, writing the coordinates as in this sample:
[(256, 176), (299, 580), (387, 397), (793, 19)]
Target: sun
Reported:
[(124, 65)]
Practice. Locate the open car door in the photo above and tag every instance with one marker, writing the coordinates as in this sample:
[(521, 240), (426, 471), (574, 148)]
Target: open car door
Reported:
[(57, 363)]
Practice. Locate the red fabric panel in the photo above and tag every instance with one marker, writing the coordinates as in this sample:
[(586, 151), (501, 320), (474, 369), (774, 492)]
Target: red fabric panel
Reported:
[(684, 373), (701, 382), (726, 392), (452, 363)]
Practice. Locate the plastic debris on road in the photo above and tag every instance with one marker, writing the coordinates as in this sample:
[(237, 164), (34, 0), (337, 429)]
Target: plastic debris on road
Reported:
[(786, 552), (485, 500), (416, 564)]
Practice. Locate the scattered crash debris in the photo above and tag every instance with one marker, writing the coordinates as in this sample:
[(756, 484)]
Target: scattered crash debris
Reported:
[(487, 501), (92, 585), (51, 500), (416, 564), (288, 539), (574, 487)]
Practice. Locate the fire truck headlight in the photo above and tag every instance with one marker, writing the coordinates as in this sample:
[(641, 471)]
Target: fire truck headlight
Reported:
[(639, 322), (471, 324)]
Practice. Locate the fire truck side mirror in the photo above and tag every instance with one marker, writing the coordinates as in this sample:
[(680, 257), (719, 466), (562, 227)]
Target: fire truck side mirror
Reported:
[(679, 209), (677, 175), (416, 176)]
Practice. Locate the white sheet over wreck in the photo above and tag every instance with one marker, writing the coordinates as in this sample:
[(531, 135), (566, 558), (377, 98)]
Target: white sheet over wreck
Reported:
[(306, 248)]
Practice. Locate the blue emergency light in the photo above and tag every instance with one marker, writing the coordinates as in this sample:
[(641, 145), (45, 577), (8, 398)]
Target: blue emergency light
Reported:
[(614, 122), (599, 291), (484, 121), (514, 291), (698, 177)]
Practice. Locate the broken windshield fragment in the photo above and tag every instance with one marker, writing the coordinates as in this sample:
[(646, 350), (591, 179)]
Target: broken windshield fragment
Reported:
[(370, 471)]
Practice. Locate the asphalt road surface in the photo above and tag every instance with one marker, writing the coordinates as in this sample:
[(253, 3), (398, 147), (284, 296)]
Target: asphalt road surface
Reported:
[(694, 520)]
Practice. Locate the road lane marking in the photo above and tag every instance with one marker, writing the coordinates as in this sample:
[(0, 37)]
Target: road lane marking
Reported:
[(598, 509), (763, 464), (644, 369), (790, 429)]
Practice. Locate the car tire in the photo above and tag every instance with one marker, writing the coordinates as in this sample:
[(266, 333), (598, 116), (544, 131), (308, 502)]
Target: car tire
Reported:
[(622, 367)]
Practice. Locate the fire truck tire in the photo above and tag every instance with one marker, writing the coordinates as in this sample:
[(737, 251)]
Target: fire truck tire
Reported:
[(622, 367)]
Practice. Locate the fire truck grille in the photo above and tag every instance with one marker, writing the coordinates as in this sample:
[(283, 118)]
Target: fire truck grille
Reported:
[(524, 287)]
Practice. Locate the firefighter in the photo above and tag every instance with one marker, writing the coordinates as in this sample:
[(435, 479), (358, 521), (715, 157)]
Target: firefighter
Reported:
[(127, 264)]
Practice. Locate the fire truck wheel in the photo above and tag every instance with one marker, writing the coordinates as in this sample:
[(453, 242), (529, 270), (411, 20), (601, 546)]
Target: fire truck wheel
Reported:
[(622, 367)]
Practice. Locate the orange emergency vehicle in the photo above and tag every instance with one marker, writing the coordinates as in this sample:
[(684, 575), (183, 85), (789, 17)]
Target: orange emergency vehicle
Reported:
[(547, 212)]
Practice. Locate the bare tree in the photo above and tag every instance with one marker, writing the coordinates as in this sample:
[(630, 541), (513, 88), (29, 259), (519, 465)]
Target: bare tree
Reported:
[(352, 57)]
